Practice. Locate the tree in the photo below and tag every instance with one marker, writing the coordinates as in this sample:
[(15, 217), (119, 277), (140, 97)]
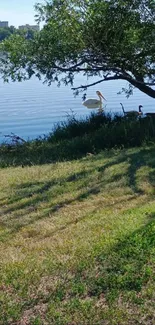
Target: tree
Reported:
[(110, 39), (30, 33), (4, 33)]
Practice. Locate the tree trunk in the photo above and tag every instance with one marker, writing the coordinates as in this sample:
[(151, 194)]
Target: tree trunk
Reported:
[(145, 89)]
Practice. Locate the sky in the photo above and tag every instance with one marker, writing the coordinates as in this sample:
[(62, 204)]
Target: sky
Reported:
[(18, 12)]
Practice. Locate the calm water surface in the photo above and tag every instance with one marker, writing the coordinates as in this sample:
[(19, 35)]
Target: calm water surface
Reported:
[(30, 109)]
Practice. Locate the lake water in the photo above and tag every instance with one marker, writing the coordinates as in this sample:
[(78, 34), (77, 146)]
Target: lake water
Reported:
[(30, 109)]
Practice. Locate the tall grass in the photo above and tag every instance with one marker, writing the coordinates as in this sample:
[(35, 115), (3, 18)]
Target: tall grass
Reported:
[(75, 138)]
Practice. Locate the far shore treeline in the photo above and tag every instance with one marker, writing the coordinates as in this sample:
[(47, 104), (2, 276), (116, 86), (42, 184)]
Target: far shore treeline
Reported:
[(6, 32)]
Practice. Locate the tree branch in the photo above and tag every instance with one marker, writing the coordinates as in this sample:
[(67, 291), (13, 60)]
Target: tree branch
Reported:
[(142, 86), (97, 82)]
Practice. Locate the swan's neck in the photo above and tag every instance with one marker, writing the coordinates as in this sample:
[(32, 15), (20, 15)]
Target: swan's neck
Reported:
[(100, 108), (100, 99), (123, 109)]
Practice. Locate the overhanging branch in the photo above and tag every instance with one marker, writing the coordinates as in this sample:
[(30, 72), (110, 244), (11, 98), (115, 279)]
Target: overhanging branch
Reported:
[(97, 82), (143, 87)]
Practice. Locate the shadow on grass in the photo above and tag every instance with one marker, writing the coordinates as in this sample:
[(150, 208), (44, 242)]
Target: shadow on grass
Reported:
[(33, 201), (136, 160), (32, 191), (127, 266)]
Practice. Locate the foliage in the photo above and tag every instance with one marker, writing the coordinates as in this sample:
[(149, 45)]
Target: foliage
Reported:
[(6, 32), (76, 138), (108, 39)]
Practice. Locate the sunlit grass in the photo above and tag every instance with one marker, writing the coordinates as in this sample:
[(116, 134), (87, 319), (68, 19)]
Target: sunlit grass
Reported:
[(77, 241)]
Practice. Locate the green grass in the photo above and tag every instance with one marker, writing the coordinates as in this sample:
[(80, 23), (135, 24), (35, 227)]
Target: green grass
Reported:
[(77, 240)]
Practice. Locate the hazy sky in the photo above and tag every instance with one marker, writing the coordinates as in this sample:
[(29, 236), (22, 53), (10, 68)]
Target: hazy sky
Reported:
[(18, 12)]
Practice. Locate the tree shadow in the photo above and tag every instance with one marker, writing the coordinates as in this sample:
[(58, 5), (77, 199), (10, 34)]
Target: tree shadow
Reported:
[(29, 216), (29, 192), (152, 178), (23, 205), (127, 266), (136, 160)]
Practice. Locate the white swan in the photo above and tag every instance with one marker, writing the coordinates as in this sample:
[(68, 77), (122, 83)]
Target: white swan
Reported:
[(93, 102)]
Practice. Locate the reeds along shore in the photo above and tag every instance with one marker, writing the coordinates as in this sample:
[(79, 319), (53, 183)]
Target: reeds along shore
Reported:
[(76, 138)]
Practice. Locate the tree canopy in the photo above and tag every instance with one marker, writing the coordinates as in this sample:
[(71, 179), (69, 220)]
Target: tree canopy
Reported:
[(5, 32), (110, 39)]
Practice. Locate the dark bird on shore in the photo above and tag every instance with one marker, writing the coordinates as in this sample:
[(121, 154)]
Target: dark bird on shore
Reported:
[(132, 113), (150, 114)]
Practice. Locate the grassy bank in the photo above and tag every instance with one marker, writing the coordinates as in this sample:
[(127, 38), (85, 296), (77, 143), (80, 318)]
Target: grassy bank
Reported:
[(77, 241), (77, 237), (74, 139)]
